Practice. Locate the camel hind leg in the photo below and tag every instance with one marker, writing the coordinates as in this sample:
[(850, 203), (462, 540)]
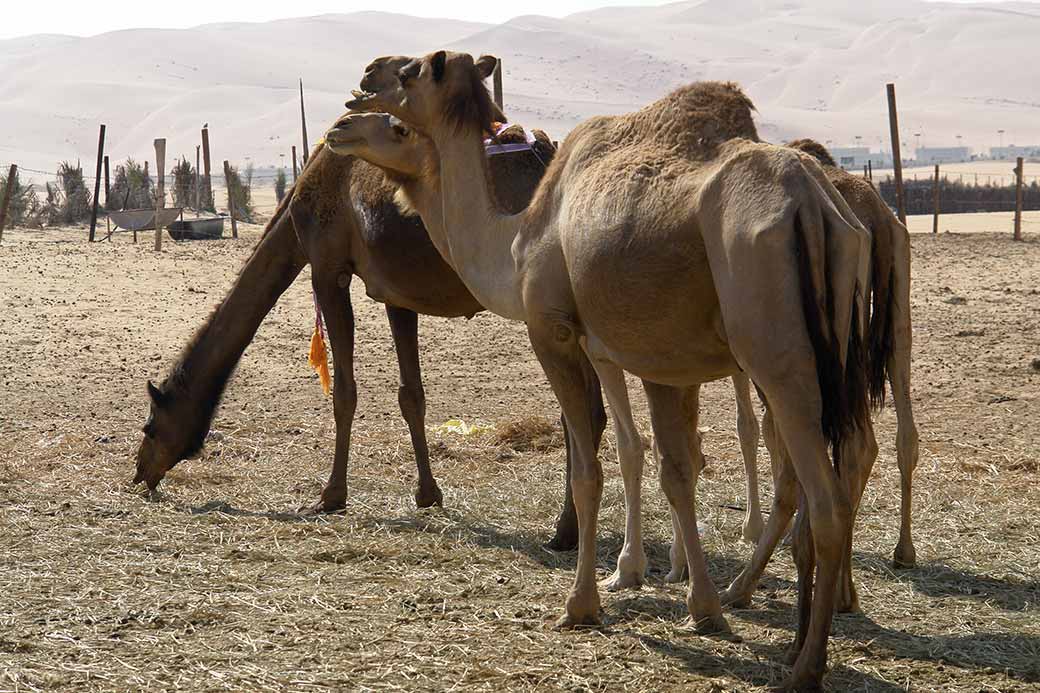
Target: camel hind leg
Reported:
[(673, 413), (404, 326), (748, 432), (907, 438)]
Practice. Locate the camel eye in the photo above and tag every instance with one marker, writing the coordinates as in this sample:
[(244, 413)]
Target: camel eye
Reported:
[(149, 427), (400, 131)]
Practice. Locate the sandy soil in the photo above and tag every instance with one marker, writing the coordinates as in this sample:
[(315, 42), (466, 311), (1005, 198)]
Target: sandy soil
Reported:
[(220, 585)]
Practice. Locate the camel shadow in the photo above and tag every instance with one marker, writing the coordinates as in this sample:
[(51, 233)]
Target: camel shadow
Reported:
[(940, 580), (764, 668), (224, 508), (1012, 653)]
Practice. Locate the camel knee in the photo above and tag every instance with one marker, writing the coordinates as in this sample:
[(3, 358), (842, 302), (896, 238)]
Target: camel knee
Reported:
[(344, 398), (676, 479), (412, 400)]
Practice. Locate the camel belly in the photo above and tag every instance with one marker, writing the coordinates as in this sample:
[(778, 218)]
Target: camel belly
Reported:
[(646, 301)]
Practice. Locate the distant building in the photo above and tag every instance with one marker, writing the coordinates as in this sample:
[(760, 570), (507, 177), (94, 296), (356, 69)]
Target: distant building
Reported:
[(1013, 152), (855, 158), (942, 155)]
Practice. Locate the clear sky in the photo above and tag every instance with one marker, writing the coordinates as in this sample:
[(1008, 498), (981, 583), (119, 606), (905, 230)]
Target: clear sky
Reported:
[(79, 18)]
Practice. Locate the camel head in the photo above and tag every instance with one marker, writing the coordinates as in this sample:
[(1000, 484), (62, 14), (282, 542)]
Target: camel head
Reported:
[(383, 140), (441, 89), (167, 440)]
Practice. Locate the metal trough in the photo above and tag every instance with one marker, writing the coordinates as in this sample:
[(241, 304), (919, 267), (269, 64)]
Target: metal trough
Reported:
[(143, 219), (208, 228)]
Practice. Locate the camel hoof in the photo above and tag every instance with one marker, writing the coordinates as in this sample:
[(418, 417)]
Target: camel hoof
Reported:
[(752, 531), (427, 498), (623, 581), (807, 683), (571, 621), (566, 537), (676, 575), (738, 599), (905, 557), (326, 504), (714, 624)]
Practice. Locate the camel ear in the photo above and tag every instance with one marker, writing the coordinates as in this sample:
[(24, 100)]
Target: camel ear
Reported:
[(156, 395), (437, 62), (486, 65)]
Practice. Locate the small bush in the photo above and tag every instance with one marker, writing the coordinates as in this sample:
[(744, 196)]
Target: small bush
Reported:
[(241, 187), (183, 175), (131, 188), (23, 209), (280, 184), (68, 201)]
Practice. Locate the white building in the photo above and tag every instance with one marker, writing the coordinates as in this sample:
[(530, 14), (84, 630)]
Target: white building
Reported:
[(855, 158), (927, 156), (1013, 152)]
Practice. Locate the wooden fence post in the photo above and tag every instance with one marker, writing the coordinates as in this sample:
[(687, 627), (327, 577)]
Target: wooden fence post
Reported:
[(206, 163), (497, 81), (897, 159), (294, 171), (935, 201), (11, 173), (230, 199), (97, 181), (1019, 175), (198, 182), (303, 121), (160, 187), (870, 170)]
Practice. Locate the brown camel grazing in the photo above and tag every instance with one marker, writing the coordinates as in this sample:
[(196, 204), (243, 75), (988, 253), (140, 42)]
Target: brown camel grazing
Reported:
[(670, 244), (340, 217), (410, 159)]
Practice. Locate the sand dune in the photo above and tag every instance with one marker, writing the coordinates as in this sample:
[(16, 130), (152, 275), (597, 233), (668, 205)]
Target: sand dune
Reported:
[(813, 67)]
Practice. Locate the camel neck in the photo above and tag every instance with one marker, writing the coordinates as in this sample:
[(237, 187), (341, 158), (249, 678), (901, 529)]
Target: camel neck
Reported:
[(476, 234)]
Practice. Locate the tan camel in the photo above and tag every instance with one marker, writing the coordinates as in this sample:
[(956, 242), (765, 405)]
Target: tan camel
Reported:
[(889, 338), (410, 159), (668, 243), (339, 217)]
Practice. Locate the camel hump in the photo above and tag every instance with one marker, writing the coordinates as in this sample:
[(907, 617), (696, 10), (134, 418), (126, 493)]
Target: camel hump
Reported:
[(814, 149)]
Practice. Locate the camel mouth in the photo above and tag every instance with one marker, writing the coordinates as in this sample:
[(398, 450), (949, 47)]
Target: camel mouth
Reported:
[(360, 99), (337, 137)]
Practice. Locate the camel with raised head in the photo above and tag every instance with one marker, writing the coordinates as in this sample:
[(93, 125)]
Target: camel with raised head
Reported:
[(668, 243), (341, 218), (410, 159)]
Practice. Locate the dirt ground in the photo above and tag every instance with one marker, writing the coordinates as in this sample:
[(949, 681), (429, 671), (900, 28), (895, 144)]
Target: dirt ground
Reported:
[(221, 585)]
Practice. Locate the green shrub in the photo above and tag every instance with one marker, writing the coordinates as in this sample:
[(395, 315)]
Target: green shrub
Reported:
[(23, 208)]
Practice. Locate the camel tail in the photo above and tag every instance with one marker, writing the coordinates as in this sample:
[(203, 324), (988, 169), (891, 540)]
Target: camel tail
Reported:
[(881, 330), (830, 297)]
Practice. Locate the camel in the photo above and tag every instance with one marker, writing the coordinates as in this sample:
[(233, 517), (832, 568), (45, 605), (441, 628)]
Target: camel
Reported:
[(409, 158), (339, 217), (890, 332), (668, 243)]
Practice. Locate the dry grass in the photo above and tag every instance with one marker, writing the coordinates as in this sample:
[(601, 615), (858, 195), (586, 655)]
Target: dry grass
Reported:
[(219, 584)]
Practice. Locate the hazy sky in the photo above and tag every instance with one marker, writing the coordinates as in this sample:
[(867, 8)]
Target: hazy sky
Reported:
[(88, 18)]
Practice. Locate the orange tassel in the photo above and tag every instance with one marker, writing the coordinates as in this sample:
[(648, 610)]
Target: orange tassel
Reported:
[(319, 360)]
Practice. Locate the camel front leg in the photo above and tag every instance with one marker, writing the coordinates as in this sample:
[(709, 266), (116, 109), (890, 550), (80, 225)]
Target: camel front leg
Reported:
[(631, 565), (333, 294), (556, 346), (404, 325), (673, 413), (565, 537), (748, 432)]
